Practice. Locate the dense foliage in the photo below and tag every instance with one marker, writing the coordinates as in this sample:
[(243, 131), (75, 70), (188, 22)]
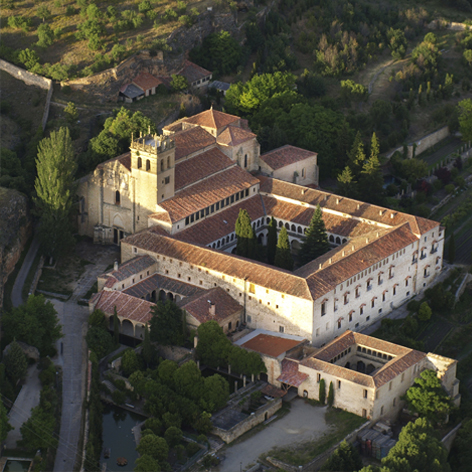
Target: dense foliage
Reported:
[(316, 239), (167, 325)]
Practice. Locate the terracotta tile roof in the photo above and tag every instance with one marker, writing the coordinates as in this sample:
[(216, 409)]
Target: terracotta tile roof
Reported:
[(345, 205), (233, 135), (193, 72), (285, 156), (368, 250), (207, 192), (290, 374), (198, 305), (397, 366), (163, 216), (302, 215), (274, 392), (158, 282), (199, 167), (146, 81), (128, 307), (272, 346), (131, 267), (212, 119), (222, 223), (258, 273), (124, 160), (191, 140)]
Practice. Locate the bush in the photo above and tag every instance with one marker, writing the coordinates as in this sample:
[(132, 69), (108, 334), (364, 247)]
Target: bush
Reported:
[(425, 312), (118, 397), (449, 188), (413, 306), (192, 449)]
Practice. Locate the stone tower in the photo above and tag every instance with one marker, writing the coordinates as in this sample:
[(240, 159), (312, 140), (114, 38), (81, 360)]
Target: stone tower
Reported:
[(152, 168)]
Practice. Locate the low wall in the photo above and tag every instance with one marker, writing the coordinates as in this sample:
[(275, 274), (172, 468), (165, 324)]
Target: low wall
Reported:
[(31, 79), (449, 438), (253, 420), (443, 24)]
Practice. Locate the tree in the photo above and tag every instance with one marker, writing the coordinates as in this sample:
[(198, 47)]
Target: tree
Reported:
[(29, 57), (5, 426), (460, 457), (371, 179), (188, 381), (173, 436), (417, 449), (153, 446), (425, 312), (166, 371), (213, 346), (35, 323), (468, 56), (215, 393), (283, 256), (116, 327), (271, 240), (179, 83), (71, 112), (428, 398), (38, 430), (345, 458), (322, 392), (331, 394), (347, 185), (166, 323), (15, 362), (100, 341), (356, 156), (451, 251), (246, 238), (148, 351), (54, 187), (98, 318), (129, 362), (465, 119), (316, 239), (398, 44), (45, 36), (146, 463), (43, 13)]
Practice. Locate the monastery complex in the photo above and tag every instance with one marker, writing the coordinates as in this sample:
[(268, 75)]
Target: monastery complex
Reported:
[(172, 203)]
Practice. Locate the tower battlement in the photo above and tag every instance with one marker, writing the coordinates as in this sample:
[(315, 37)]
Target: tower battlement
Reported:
[(152, 143)]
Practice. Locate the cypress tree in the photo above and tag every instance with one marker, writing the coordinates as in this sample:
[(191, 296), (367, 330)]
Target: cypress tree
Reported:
[(322, 394), (271, 241), (116, 326), (316, 241), (331, 394), (247, 242), (54, 187), (451, 249), (283, 256), (356, 156)]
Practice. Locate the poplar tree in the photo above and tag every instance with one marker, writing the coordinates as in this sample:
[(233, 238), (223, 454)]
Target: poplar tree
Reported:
[(356, 156), (283, 256), (54, 186), (247, 243), (316, 241), (271, 241), (371, 179)]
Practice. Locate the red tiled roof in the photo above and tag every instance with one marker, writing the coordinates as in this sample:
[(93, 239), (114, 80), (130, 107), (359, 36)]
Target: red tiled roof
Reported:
[(191, 140), (285, 156), (146, 81), (258, 273), (128, 307), (290, 374), (233, 135), (222, 223), (130, 268), (199, 167), (163, 216), (272, 346), (206, 193), (274, 392), (198, 306), (212, 119), (193, 72), (124, 160)]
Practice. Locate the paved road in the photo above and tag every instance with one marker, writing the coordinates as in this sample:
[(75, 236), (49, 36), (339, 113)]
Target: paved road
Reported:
[(16, 297), (73, 360), (27, 398), (303, 423)]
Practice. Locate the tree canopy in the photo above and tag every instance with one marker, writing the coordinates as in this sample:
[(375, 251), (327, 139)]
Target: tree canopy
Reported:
[(283, 255), (465, 119), (316, 239), (5, 426), (167, 323), (345, 458), (15, 362), (54, 187), (246, 238)]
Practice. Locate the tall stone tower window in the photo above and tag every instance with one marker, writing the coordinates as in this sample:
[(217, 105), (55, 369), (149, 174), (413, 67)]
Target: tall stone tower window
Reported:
[(148, 164), (168, 162), (245, 160), (140, 163), (117, 198), (162, 165)]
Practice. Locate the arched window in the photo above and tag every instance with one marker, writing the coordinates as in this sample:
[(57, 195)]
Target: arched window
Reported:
[(148, 164), (299, 230), (293, 228), (245, 160), (280, 224), (287, 226), (331, 239), (117, 197), (140, 163), (338, 240)]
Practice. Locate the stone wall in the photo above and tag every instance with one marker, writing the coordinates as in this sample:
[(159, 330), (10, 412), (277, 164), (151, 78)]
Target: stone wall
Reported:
[(15, 230), (253, 420), (31, 79)]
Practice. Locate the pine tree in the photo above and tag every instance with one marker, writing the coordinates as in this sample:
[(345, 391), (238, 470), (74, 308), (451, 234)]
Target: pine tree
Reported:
[(316, 241), (116, 326), (347, 185), (451, 253), (283, 256), (356, 156), (371, 179), (247, 242), (271, 241), (54, 186), (331, 394)]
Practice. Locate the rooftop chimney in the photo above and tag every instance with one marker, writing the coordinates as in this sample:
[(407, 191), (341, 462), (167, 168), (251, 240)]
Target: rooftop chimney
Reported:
[(212, 309), (115, 265)]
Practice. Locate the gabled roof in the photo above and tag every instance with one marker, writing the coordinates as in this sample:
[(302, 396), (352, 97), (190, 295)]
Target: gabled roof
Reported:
[(192, 140), (146, 81), (207, 192), (124, 160), (189, 171), (233, 135), (285, 155), (131, 91), (193, 72), (128, 307), (198, 305), (131, 267), (290, 374), (269, 345), (212, 119)]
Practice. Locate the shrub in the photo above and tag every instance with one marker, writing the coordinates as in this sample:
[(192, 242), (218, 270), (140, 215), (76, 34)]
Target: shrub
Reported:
[(70, 10), (449, 188), (192, 449), (413, 306), (118, 397)]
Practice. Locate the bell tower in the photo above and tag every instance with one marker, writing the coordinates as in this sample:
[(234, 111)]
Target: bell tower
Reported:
[(153, 171)]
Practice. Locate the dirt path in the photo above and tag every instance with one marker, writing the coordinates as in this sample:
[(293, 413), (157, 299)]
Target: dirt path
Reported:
[(376, 75)]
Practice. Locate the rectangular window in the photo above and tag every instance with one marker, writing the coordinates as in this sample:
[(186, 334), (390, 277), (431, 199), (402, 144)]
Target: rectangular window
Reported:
[(323, 309), (339, 384), (187, 220), (229, 326), (346, 299), (383, 297), (406, 283), (167, 180), (390, 386), (318, 378), (249, 319), (339, 325), (281, 329), (361, 310), (364, 413), (350, 316), (192, 218), (365, 393), (252, 288), (382, 410), (395, 290), (317, 332), (373, 303)]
